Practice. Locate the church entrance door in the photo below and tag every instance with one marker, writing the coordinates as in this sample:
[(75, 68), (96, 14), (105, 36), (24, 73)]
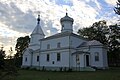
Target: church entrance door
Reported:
[(87, 60)]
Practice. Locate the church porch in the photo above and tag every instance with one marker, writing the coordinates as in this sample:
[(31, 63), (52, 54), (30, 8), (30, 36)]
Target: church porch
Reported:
[(81, 61)]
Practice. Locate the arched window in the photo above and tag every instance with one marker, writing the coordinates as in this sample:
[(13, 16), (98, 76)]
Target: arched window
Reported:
[(96, 56), (58, 45), (48, 46), (37, 58), (25, 59), (77, 58), (48, 57), (62, 27), (58, 56)]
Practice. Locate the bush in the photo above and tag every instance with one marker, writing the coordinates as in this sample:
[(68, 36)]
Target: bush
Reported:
[(9, 72), (60, 68), (64, 69), (43, 68), (69, 70)]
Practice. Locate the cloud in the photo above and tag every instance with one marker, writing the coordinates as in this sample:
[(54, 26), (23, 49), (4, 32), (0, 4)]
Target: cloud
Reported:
[(18, 17), (85, 14), (111, 2), (15, 19)]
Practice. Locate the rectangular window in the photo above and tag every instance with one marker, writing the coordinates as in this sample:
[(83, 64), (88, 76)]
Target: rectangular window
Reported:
[(48, 57), (58, 45), (25, 59), (37, 58), (58, 56), (48, 46), (96, 56), (77, 58)]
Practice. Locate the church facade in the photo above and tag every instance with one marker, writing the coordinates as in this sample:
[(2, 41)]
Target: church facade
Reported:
[(63, 51)]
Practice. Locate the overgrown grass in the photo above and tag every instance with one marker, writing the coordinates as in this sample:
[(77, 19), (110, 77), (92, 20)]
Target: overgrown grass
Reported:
[(112, 74)]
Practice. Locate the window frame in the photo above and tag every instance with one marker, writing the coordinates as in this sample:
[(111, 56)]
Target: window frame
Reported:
[(96, 56), (38, 58), (48, 46), (58, 56), (63, 27), (47, 57), (58, 45), (25, 59), (77, 58)]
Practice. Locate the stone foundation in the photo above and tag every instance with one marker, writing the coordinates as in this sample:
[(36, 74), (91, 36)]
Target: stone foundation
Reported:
[(44, 68)]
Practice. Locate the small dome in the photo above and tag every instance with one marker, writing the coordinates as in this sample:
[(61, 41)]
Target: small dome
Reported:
[(66, 18)]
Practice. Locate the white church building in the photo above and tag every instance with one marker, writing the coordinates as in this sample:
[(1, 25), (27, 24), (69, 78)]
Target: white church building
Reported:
[(63, 51)]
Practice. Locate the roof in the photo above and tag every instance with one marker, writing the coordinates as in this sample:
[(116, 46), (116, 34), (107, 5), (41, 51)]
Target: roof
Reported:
[(38, 30), (27, 49), (66, 18), (63, 34), (80, 52), (90, 43)]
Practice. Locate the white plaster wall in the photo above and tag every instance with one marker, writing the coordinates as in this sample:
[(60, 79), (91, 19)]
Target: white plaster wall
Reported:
[(28, 62), (65, 55), (64, 62), (75, 42), (34, 41), (81, 57), (35, 38), (53, 43), (67, 26), (34, 47), (34, 61), (73, 60), (92, 57), (82, 60), (105, 60), (71, 51)]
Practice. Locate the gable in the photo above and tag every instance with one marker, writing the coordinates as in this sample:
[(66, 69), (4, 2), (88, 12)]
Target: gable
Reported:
[(27, 51), (90, 43)]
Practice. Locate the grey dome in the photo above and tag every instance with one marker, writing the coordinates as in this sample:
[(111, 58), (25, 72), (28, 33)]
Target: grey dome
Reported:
[(66, 18)]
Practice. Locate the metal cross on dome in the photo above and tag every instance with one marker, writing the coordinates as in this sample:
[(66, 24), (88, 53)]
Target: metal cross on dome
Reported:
[(66, 11), (38, 19)]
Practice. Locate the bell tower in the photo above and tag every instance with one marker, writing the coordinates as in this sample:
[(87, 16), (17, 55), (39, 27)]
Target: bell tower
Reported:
[(36, 35), (67, 23)]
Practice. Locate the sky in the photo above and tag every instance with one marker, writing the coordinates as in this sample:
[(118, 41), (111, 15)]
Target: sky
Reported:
[(18, 17)]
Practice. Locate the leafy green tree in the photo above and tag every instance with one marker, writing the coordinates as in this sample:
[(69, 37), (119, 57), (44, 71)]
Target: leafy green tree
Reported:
[(7, 71), (21, 45), (117, 8), (108, 35), (114, 44), (87, 32), (98, 31), (2, 56), (114, 37)]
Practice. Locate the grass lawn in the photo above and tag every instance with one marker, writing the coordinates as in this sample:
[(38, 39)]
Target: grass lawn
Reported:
[(112, 74)]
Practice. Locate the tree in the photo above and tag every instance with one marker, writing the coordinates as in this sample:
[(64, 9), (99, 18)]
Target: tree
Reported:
[(2, 56), (114, 44), (88, 33), (21, 45), (114, 37), (98, 31), (107, 35), (117, 8), (10, 54), (7, 71)]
